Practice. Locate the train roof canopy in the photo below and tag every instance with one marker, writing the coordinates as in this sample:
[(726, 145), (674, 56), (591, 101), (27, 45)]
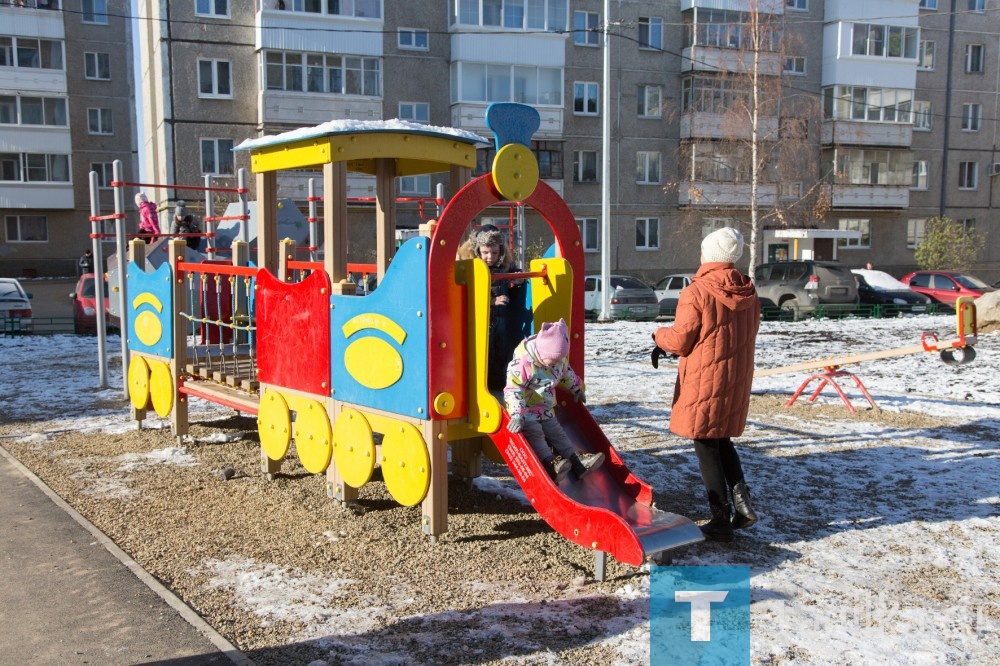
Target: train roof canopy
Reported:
[(417, 149)]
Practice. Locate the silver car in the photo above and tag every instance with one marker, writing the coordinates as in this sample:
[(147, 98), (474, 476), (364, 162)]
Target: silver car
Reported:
[(631, 298), (15, 307), (801, 287)]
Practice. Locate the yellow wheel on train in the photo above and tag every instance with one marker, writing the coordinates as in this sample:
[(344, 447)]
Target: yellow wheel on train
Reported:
[(313, 438), (138, 382), (353, 448), (161, 388), (274, 425), (406, 465)]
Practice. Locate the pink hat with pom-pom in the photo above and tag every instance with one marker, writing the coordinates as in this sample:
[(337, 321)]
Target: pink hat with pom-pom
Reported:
[(552, 342)]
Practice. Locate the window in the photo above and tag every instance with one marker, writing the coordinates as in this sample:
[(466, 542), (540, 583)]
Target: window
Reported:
[(415, 185), (481, 82), (414, 39), (968, 175), (97, 66), (708, 94), (415, 112), (650, 99), (585, 98), (884, 41), (792, 190), (977, 5), (217, 157), (795, 65), (915, 233), (31, 53), (33, 111), (974, 59), (727, 29), (216, 8), (968, 224), (540, 15), (585, 166), (323, 73), (590, 231), (27, 228), (972, 115), (647, 168), (928, 4), (711, 224), (921, 171), (868, 166), (34, 168), (801, 5), (864, 226), (922, 116), (549, 156), (100, 121), (925, 55), (877, 105), (586, 28), (95, 11), (105, 174), (647, 233), (650, 33), (215, 78)]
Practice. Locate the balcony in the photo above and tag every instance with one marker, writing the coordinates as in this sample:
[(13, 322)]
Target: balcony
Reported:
[(727, 195), (705, 125), (869, 196), (50, 196), (766, 6), (715, 59), (471, 116), (854, 133), (304, 109)]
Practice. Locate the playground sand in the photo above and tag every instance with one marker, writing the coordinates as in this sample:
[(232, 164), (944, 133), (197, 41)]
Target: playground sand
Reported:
[(174, 512)]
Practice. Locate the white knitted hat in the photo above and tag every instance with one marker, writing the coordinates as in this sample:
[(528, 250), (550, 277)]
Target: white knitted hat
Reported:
[(725, 245)]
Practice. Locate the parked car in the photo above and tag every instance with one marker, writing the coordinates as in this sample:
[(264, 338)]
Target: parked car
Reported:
[(631, 298), (15, 307), (668, 290), (802, 286), (84, 299), (894, 297), (946, 286)]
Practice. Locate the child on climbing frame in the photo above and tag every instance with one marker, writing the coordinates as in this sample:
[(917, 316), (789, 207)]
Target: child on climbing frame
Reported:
[(540, 364)]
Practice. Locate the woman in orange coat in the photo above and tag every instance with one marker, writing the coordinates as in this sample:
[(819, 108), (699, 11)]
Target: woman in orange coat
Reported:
[(714, 334)]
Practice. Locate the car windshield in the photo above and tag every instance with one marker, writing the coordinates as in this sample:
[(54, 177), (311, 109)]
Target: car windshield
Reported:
[(88, 288), (624, 282), (11, 291), (970, 282), (880, 281)]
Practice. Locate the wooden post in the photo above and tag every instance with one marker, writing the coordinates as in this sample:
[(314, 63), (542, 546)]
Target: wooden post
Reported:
[(434, 509), (385, 207), (178, 360), (335, 221), (267, 220)]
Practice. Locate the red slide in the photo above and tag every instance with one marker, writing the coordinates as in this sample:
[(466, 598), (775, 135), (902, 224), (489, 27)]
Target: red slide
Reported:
[(609, 509)]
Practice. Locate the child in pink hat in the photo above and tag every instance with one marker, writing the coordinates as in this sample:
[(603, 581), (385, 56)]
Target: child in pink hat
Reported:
[(149, 226), (540, 364)]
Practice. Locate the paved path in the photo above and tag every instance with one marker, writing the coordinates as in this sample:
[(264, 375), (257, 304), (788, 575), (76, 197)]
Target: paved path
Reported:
[(68, 595)]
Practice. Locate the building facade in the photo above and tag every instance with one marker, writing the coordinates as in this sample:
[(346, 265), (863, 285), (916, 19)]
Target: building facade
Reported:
[(67, 109), (868, 117)]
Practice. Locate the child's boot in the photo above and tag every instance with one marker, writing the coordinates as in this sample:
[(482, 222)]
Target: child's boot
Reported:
[(584, 463), (558, 468)]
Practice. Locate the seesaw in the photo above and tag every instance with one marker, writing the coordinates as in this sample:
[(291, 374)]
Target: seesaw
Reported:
[(957, 351)]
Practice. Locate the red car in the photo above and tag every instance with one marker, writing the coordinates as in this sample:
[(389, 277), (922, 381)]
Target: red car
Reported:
[(945, 286), (85, 304)]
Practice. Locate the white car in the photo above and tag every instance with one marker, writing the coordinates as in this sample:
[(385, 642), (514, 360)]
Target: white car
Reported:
[(668, 290), (631, 298), (15, 307)]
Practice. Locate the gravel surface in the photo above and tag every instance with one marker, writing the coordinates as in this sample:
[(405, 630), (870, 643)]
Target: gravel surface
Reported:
[(188, 512)]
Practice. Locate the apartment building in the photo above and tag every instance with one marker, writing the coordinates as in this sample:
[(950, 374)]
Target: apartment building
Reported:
[(870, 117), (66, 109)]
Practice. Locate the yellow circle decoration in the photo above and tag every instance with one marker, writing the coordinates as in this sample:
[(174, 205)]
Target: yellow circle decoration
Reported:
[(138, 382), (373, 362), (353, 448), (444, 403), (313, 438), (406, 465), (274, 425), (161, 388), (515, 172), (148, 328)]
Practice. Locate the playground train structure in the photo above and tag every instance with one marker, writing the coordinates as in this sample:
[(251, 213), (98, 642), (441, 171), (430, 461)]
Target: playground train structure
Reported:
[(396, 377)]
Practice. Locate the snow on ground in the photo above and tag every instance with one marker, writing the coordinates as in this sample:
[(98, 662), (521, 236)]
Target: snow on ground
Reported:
[(877, 538)]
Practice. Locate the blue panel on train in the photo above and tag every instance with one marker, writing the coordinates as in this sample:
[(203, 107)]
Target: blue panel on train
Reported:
[(379, 341), (150, 310)]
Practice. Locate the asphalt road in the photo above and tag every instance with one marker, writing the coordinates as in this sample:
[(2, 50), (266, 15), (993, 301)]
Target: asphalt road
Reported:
[(50, 297)]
